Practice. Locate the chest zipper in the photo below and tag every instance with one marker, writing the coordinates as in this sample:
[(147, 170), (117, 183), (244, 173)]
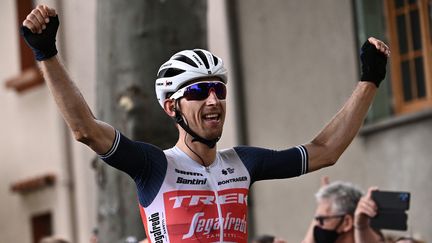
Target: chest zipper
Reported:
[(213, 186)]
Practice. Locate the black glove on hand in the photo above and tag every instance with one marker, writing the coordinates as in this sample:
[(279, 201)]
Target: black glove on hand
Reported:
[(373, 64), (43, 45)]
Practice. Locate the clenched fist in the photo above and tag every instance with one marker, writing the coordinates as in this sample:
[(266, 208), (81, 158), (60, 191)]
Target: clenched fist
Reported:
[(39, 31)]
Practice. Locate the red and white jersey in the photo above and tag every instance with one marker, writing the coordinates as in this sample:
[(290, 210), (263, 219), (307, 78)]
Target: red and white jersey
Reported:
[(183, 201), (200, 204)]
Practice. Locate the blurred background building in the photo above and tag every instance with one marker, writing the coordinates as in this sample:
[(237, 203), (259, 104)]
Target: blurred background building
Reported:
[(292, 65)]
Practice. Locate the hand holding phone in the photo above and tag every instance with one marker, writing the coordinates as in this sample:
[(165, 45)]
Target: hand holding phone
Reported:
[(391, 210)]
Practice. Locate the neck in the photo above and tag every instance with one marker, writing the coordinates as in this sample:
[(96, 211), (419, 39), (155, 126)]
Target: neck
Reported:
[(199, 152), (347, 237)]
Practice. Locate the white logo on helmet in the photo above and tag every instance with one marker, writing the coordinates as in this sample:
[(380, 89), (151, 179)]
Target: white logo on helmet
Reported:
[(197, 59)]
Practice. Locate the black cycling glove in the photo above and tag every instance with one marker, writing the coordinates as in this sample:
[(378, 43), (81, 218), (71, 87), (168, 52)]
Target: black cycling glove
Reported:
[(374, 62), (43, 45)]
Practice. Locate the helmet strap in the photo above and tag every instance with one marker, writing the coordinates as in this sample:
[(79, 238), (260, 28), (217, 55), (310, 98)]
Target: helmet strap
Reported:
[(211, 143)]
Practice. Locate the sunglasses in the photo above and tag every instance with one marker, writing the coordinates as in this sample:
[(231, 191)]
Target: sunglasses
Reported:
[(321, 219), (201, 90)]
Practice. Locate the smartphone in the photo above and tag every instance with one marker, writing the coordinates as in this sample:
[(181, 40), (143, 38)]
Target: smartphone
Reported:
[(393, 220), (391, 210), (391, 200)]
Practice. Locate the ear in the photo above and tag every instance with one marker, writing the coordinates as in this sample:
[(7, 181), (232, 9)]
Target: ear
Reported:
[(347, 224), (169, 107)]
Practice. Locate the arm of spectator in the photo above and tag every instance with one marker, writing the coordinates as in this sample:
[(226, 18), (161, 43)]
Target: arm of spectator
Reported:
[(309, 234), (279, 240), (366, 209)]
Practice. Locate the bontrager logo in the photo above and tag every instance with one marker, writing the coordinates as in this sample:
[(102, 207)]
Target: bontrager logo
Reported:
[(156, 230), (181, 180), (242, 178), (193, 200)]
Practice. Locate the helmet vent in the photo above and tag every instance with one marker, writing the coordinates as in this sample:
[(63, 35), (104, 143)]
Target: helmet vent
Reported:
[(203, 58), (170, 72), (215, 60), (187, 60)]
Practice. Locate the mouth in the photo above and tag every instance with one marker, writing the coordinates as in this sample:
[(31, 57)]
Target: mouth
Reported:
[(211, 117)]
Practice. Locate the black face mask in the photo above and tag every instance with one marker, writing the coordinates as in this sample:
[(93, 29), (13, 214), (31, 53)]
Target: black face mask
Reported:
[(324, 236)]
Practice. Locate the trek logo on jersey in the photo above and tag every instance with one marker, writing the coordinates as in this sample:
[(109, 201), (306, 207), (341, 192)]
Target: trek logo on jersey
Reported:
[(194, 216), (181, 180), (156, 230), (227, 170), (193, 200)]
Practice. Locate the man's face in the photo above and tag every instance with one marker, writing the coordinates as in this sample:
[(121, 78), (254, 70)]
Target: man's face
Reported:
[(329, 220), (205, 117)]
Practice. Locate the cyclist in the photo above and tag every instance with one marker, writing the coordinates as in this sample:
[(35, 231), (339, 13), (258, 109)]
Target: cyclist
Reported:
[(193, 192)]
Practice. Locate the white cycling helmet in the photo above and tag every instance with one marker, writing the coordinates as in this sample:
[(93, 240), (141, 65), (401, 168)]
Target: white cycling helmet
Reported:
[(185, 66)]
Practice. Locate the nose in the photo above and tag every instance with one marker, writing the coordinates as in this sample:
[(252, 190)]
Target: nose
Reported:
[(212, 98)]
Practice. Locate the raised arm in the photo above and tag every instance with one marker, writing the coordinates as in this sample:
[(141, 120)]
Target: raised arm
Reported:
[(366, 209), (326, 148), (39, 30)]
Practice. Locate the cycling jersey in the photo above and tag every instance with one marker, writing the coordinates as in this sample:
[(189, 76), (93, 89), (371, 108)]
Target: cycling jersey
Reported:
[(181, 200)]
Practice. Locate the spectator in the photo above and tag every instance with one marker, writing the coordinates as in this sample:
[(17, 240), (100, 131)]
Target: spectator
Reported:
[(53, 239), (342, 215), (404, 239), (94, 236), (144, 241)]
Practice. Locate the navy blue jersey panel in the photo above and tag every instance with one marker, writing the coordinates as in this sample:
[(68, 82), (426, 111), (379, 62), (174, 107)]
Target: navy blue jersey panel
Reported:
[(265, 164), (149, 184), (144, 162)]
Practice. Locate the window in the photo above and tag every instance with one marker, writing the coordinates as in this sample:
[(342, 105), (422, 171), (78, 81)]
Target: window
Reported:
[(30, 76), (370, 21), (41, 226), (24, 7), (410, 37)]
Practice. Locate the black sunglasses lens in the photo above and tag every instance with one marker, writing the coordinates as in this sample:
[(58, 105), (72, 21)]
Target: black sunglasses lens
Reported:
[(196, 92), (220, 91), (200, 91)]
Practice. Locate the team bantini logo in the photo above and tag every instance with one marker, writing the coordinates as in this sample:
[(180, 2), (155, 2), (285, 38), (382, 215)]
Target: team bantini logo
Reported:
[(192, 215), (181, 180)]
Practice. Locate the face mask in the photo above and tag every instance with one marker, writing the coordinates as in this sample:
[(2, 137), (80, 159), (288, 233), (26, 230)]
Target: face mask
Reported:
[(324, 236)]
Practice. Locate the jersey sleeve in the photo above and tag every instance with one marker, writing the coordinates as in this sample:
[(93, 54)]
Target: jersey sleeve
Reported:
[(145, 163), (266, 164)]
